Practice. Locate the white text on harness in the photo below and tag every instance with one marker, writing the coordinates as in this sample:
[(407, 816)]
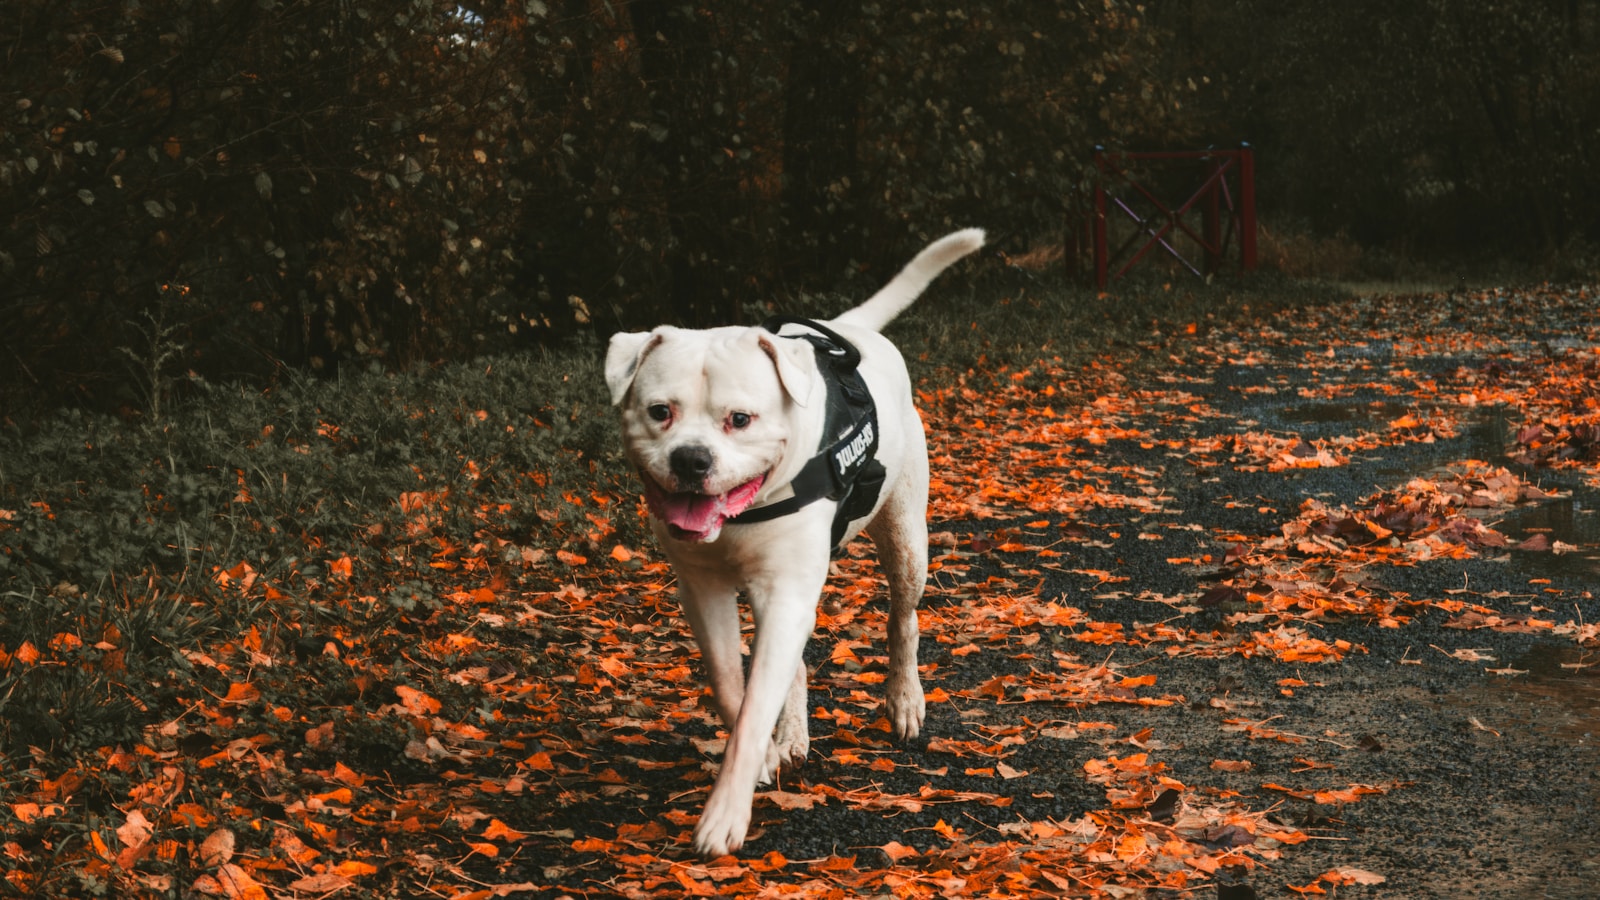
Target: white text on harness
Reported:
[(849, 455)]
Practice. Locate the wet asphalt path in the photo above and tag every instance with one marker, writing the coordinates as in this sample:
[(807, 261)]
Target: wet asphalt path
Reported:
[(1491, 778)]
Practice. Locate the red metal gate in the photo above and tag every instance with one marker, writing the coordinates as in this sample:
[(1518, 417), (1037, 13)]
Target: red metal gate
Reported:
[(1225, 202)]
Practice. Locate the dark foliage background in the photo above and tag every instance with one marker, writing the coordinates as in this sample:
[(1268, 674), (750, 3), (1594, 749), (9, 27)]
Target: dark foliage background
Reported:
[(219, 189), (1438, 127)]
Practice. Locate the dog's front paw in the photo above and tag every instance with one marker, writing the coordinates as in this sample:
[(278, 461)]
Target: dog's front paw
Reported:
[(722, 827), (907, 708)]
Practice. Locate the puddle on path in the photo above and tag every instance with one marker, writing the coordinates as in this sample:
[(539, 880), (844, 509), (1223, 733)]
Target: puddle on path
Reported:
[(1570, 524), (1558, 698), (1564, 522), (1533, 796), (1486, 431), (1330, 412), (1554, 703)]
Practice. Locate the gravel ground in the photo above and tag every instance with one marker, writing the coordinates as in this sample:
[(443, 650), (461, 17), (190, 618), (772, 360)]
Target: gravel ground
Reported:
[(1490, 777), (1498, 771)]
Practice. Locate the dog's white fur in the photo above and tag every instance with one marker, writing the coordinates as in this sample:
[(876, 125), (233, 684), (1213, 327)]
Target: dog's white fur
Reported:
[(723, 419)]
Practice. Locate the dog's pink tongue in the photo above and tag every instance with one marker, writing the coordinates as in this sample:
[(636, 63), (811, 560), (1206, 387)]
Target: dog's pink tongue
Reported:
[(691, 512), (695, 516)]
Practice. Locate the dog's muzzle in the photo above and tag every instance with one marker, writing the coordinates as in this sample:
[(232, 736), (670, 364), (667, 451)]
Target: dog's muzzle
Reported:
[(694, 515)]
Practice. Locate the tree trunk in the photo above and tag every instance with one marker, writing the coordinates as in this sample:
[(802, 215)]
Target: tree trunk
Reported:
[(821, 180), (689, 117)]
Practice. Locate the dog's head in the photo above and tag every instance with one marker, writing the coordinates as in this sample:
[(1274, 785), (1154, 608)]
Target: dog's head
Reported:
[(709, 418)]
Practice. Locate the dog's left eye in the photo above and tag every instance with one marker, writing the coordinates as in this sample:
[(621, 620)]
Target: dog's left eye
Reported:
[(739, 421)]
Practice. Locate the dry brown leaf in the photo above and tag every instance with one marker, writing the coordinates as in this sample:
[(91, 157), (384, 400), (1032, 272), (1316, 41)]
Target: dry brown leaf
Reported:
[(897, 851), (787, 800), (238, 884), (217, 849), (1008, 772), (136, 830), (323, 883), (1359, 876)]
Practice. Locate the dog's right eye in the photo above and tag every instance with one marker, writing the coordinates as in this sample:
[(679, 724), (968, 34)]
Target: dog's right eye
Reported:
[(659, 412)]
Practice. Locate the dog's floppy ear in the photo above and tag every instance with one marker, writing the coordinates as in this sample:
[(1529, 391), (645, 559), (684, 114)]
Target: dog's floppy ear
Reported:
[(796, 363), (623, 356)]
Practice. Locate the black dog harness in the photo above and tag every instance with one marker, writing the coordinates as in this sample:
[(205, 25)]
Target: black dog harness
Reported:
[(846, 468)]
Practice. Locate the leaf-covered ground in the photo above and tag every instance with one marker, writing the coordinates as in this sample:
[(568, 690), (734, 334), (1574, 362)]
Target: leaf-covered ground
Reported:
[(1298, 609)]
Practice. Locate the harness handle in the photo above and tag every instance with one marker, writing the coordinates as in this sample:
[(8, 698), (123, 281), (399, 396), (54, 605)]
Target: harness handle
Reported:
[(843, 352)]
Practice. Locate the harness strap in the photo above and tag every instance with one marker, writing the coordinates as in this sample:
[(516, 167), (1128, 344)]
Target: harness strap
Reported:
[(846, 468)]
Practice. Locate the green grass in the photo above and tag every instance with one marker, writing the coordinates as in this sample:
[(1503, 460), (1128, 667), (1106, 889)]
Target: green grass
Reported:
[(121, 528)]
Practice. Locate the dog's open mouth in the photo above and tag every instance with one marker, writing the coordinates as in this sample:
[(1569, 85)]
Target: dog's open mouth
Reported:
[(691, 516)]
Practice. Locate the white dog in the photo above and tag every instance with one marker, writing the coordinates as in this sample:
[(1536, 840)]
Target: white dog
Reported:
[(760, 454)]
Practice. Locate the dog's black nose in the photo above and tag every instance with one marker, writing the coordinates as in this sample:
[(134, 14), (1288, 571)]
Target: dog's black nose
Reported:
[(690, 465)]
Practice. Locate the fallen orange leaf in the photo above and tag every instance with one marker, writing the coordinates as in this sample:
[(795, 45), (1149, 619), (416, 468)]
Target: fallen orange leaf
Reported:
[(241, 693), (238, 884), (897, 851), (498, 830), (217, 848)]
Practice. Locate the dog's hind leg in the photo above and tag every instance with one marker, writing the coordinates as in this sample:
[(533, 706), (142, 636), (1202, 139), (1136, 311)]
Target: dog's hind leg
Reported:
[(792, 740), (900, 531)]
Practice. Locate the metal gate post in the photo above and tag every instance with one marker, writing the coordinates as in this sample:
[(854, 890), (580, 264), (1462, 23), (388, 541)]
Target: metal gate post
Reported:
[(1102, 253), (1211, 228), (1247, 208)]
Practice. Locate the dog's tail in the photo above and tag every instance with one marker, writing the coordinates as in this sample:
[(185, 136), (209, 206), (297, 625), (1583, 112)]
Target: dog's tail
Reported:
[(895, 296)]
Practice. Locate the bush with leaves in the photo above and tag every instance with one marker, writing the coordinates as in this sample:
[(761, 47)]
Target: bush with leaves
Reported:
[(314, 181)]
